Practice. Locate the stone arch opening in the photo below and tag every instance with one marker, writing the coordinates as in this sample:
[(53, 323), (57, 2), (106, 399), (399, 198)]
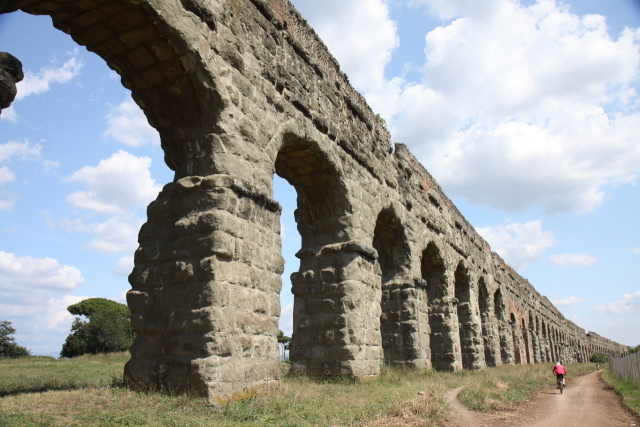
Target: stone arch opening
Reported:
[(467, 332), (154, 62), (321, 202), (545, 340), (488, 324), (401, 301), (156, 65), (525, 338), (498, 305), (321, 196), (503, 328), (441, 338), (516, 338), (484, 301), (533, 339), (390, 242)]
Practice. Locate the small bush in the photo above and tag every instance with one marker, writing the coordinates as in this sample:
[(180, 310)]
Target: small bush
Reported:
[(8, 346), (598, 358), (107, 330)]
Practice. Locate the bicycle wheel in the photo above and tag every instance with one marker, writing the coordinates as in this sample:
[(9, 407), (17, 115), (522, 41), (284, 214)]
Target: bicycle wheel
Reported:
[(561, 386)]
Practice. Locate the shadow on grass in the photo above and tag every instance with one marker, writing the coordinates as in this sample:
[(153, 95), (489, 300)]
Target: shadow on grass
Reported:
[(12, 391), (15, 392)]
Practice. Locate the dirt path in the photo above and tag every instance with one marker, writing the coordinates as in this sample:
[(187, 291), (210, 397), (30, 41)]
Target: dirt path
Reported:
[(585, 403)]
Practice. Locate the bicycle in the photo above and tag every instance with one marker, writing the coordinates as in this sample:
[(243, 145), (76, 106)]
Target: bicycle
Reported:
[(560, 382)]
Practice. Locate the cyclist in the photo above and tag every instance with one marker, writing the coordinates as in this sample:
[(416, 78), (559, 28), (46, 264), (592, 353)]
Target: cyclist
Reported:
[(559, 372)]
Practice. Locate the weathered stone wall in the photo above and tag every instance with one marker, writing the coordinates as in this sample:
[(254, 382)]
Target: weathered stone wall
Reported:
[(10, 74), (389, 268)]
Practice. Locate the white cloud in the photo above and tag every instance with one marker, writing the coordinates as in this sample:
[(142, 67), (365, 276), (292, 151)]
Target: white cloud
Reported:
[(34, 296), (23, 278), (359, 33), (520, 245), (630, 303), (121, 297), (36, 83), (7, 200), (50, 164), (22, 150), (42, 325), (520, 106), (129, 125), (636, 251), (569, 302), (10, 114), (124, 267), (6, 175), (286, 319), (117, 234), (574, 260), (118, 183)]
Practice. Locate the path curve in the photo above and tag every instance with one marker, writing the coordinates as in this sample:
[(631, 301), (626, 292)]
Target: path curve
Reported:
[(586, 402)]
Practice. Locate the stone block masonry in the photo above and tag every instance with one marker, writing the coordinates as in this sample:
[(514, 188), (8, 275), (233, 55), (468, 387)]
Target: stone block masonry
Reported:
[(240, 90)]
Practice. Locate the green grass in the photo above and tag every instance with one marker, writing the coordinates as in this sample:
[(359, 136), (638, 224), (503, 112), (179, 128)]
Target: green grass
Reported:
[(627, 389), (398, 397), (42, 373)]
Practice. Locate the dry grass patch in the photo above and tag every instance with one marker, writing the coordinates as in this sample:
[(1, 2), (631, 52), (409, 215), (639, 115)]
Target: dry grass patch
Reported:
[(424, 411)]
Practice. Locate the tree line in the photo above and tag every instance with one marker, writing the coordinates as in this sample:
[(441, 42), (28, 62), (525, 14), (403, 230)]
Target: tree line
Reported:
[(100, 326)]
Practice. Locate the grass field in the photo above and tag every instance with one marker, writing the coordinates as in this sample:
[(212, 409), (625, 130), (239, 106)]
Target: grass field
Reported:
[(77, 392), (43, 373), (627, 389)]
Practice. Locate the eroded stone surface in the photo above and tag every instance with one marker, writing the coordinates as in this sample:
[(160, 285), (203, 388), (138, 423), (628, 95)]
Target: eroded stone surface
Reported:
[(389, 268), (10, 74)]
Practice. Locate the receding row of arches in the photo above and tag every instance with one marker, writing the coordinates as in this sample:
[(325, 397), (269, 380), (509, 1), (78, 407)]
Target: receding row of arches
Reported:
[(538, 340), (442, 314), (467, 329), (462, 325)]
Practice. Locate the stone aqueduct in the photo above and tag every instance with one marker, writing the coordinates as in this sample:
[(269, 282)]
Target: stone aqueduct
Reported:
[(389, 268)]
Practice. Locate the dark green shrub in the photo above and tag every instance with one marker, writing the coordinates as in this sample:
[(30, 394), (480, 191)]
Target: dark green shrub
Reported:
[(598, 358), (8, 346), (108, 328)]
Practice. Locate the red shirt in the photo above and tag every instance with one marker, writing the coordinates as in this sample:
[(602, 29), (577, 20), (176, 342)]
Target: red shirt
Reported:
[(559, 370)]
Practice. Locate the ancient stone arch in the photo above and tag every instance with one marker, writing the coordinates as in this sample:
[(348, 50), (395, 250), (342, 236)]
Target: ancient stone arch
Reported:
[(404, 325), (469, 323), (444, 335), (526, 343), (490, 325), (240, 90)]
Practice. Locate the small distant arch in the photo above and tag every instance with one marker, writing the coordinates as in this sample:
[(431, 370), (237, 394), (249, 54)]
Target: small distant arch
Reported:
[(390, 241), (516, 338), (525, 337), (462, 291), (498, 305), (433, 270)]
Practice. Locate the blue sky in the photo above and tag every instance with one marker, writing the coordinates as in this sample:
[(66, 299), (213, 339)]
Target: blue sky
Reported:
[(525, 112)]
